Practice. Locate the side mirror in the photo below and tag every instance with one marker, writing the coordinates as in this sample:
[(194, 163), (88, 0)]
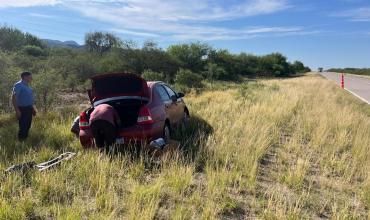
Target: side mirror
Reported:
[(174, 98), (180, 95)]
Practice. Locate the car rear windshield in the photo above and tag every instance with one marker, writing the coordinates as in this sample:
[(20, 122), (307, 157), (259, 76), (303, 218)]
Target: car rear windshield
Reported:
[(114, 85)]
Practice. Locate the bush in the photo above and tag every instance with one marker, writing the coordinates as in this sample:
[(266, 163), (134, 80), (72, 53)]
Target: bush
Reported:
[(213, 71), (153, 76), (189, 79), (298, 67), (8, 78), (71, 82), (12, 39), (34, 51), (46, 84)]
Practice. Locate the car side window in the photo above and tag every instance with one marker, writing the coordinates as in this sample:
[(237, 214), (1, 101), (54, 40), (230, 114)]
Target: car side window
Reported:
[(162, 93), (170, 91)]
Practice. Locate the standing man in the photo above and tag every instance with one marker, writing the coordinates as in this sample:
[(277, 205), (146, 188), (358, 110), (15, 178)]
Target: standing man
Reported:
[(23, 102)]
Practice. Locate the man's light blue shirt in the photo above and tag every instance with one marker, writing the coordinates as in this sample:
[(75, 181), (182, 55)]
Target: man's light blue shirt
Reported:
[(24, 94)]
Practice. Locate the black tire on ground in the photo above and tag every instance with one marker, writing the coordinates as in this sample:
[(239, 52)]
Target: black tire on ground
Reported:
[(166, 132), (185, 119)]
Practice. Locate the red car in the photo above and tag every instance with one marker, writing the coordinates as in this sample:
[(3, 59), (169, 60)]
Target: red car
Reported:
[(148, 110)]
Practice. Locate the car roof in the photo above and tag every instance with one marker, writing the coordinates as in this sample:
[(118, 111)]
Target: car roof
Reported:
[(151, 84)]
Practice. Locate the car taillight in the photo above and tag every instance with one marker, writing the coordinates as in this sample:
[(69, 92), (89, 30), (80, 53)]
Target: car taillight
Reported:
[(145, 116), (84, 122)]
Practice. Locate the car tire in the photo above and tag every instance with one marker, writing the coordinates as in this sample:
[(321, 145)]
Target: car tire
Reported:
[(185, 119), (166, 133)]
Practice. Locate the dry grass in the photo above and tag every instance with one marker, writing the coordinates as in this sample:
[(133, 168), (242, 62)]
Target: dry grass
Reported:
[(296, 148)]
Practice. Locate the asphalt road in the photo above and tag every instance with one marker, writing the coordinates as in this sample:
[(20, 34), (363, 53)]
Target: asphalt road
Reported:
[(358, 86)]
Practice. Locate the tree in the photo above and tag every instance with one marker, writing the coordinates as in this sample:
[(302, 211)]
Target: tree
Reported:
[(190, 56), (213, 71), (12, 39), (113, 62), (247, 64), (72, 82), (274, 64), (85, 65), (189, 79), (101, 42), (33, 41), (153, 76), (298, 67), (158, 60), (8, 76), (226, 61), (46, 85)]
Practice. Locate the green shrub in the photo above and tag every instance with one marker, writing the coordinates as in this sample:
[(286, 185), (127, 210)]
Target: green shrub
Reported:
[(189, 79), (213, 71), (34, 51), (46, 85), (12, 39), (250, 90), (153, 76)]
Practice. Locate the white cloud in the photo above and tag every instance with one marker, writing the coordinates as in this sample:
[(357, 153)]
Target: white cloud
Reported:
[(358, 14), (183, 20), (26, 3), (135, 33), (177, 19), (177, 10), (38, 15)]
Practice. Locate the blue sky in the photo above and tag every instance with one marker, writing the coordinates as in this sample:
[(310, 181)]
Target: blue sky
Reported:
[(327, 33)]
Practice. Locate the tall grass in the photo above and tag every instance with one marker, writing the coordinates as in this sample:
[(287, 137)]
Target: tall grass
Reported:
[(318, 138)]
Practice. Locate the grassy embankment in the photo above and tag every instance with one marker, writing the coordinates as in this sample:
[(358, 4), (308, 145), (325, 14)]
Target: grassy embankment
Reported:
[(273, 149)]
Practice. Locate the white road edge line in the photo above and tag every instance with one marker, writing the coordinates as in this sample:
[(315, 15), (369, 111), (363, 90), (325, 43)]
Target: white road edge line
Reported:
[(362, 99)]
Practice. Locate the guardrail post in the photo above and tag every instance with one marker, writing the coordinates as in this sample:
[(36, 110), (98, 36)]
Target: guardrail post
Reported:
[(342, 81)]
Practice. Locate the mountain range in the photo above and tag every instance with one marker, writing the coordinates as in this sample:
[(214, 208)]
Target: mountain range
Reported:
[(58, 43)]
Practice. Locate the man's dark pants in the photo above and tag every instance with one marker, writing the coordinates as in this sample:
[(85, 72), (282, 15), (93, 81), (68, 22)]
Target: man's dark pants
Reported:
[(104, 133), (25, 121)]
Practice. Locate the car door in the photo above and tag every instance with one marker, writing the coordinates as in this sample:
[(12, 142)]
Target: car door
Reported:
[(168, 105), (178, 105)]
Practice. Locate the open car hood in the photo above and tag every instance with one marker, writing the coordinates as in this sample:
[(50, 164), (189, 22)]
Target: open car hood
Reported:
[(114, 86)]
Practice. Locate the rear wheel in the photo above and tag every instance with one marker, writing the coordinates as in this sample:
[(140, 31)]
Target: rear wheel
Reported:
[(185, 119), (166, 132)]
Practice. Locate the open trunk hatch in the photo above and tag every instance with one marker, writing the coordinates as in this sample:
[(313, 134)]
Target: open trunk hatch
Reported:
[(128, 110), (118, 86)]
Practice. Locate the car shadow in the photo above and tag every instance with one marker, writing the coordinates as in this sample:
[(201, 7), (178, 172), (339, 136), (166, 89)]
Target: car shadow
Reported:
[(193, 137), (190, 138)]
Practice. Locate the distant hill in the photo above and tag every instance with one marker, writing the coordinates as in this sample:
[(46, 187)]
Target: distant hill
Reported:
[(58, 43)]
